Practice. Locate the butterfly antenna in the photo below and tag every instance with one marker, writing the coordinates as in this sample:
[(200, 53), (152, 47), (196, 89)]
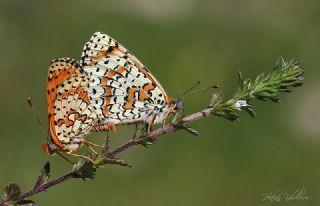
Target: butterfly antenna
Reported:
[(190, 92), (36, 116), (63, 157), (203, 89)]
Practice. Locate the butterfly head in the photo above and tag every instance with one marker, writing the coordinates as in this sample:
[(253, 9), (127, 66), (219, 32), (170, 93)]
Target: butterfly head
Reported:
[(49, 148), (177, 105)]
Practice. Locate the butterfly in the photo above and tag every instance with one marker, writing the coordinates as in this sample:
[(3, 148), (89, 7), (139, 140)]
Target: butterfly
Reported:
[(71, 116), (109, 86), (121, 89)]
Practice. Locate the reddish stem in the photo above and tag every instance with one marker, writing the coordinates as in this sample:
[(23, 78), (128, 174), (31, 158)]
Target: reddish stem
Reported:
[(154, 135)]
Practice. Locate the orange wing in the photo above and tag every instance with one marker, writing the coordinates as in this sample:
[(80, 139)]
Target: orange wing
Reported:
[(59, 70)]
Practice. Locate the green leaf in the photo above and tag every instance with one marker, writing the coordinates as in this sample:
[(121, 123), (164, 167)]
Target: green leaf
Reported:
[(146, 141), (103, 159), (284, 76), (232, 116), (45, 174), (250, 111), (11, 192), (84, 169), (191, 130), (279, 64), (215, 100), (118, 161)]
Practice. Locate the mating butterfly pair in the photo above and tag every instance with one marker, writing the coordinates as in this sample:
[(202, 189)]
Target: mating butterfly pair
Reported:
[(109, 86)]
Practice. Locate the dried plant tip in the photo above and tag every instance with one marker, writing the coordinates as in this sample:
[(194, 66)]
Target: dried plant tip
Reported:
[(29, 101)]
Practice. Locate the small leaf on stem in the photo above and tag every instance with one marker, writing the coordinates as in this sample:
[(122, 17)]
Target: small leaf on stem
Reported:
[(216, 99), (250, 111), (117, 161), (190, 130), (146, 141), (84, 169), (45, 174), (263, 87), (11, 192)]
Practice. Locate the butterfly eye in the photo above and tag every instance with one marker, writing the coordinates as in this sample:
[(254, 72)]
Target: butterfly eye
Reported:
[(177, 104), (52, 148)]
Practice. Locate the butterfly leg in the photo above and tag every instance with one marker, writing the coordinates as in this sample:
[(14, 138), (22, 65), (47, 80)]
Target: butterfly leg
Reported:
[(81, 156), (164, 123), (90, 143), (92, 150), (171, 110), (150, 123), (139, 129)]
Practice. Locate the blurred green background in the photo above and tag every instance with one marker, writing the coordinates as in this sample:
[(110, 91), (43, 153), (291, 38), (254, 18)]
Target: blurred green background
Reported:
[(180, 41)]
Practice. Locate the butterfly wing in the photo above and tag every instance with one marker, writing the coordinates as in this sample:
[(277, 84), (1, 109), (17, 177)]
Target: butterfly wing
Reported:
[(121, 90), (70, 114)]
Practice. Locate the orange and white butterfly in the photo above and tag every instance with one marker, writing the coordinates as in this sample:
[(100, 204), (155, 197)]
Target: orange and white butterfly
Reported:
[(121, 88), (71, 116), (108, 87)]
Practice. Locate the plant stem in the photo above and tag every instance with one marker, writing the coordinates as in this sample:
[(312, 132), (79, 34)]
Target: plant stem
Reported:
[(132, 142), (160, 131), (121, 148), (43, 187), (285, 76)]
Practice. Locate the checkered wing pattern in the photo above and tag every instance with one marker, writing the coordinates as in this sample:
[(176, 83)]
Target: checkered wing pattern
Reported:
[(70, 114), (121, 90)]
